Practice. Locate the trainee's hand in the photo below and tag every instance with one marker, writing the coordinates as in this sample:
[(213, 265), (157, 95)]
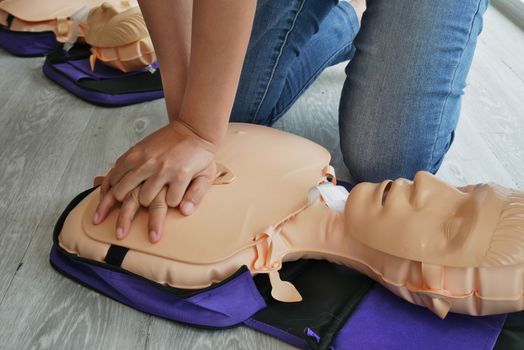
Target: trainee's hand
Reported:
[(129, 208), (173, 156)]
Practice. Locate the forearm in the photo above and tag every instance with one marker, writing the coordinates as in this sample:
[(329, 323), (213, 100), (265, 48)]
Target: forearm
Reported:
[(169, 24), (220, 35)]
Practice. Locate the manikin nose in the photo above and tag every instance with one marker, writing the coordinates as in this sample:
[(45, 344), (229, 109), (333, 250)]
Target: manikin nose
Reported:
[(430, 189)]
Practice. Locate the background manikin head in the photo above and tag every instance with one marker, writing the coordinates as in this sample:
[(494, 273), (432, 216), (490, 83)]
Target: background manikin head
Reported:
[(430, 221)]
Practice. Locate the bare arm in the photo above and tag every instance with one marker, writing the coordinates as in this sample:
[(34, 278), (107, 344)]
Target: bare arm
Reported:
[(181, 155), (221, 31), (169, 25)]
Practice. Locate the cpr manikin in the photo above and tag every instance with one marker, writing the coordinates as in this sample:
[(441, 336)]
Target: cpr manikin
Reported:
[(115, 29), (275, 200), (59, 16)]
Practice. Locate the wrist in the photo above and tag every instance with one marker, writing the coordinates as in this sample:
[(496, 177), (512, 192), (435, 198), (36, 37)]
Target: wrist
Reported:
[(210, 138)]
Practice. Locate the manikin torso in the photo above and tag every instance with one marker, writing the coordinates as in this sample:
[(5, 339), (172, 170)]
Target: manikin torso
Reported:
[(55, 16), (262, 217)]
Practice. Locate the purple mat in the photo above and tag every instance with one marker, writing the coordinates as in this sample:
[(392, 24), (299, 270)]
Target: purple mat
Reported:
[(384, 321), (277, 333), (26, 44), (226, 305), (97, 97)]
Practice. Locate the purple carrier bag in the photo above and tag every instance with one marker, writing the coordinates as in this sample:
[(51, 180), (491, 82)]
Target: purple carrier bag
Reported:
[(105, 86), (341, 308), (27, 44)]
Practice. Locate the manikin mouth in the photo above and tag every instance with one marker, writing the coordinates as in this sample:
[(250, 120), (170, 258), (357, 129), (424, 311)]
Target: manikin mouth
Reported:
[(386, 192)]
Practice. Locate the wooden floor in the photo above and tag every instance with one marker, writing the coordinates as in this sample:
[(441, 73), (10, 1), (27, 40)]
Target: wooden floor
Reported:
[(52, 145)]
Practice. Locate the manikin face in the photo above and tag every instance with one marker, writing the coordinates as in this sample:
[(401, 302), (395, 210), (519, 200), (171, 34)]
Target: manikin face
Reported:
[(425, 220)]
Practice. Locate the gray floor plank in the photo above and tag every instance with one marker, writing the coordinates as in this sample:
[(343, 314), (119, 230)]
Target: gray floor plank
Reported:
[(44, 310), (59, 313), (164, 335), (38, 137)]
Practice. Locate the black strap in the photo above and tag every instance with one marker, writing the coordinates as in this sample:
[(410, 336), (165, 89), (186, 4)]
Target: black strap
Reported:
[(115, 255), (9, 20)]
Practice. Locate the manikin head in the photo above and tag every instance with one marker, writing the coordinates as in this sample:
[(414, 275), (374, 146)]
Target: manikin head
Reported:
[(118, 37), (432, 222)]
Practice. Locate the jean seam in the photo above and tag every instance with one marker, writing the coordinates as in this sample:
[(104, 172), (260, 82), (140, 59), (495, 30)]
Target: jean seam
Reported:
[(284, 42), (452, 82), (308, 83)]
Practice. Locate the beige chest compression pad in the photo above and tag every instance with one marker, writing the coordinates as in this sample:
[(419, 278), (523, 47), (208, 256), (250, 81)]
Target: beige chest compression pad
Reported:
[(273, 172)]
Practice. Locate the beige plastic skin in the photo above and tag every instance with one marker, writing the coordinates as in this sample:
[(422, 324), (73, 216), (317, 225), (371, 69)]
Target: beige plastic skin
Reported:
[(207, 248), (38, 11), (119, 39)]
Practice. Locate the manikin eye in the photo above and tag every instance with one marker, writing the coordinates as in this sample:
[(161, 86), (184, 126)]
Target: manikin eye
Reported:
[(386, 191), (452, 228)]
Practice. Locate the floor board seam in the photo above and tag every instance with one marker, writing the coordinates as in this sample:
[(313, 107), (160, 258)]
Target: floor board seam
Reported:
[(42, 216)]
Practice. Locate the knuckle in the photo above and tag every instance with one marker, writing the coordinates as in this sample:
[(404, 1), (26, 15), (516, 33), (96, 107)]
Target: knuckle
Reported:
[(134, 153), (133, 197), (145, 202), (192, 193), (172, 202), (146, 193), (158, 205), (150, 163), (166, 167), (125, 216), (119, 194), (184, 171), (173, 198), (181, 174), (120, 161)]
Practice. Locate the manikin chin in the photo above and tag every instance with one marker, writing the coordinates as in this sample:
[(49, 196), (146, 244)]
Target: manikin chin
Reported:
[(448, 249)]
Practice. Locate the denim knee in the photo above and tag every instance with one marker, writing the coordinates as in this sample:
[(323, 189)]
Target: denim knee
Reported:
[(401, 100), (375, 160)]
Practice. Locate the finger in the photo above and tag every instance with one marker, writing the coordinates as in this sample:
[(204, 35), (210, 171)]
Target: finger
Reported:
[(132, 180), (104, 207), (127, 162), (157, 216), (127, 213), (97, 181), (150, 189), (177, 189), (105, 186), (194, 194)]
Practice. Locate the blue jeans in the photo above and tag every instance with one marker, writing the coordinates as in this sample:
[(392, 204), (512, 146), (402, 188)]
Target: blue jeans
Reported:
[(401, 99)]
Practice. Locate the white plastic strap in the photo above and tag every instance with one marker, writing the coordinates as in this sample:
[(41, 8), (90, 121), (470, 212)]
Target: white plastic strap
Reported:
[(151, 69), (77, 18), (334, 196)]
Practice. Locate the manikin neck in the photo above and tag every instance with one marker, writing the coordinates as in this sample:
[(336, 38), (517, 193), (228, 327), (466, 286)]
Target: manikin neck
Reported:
[(316, 232)]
